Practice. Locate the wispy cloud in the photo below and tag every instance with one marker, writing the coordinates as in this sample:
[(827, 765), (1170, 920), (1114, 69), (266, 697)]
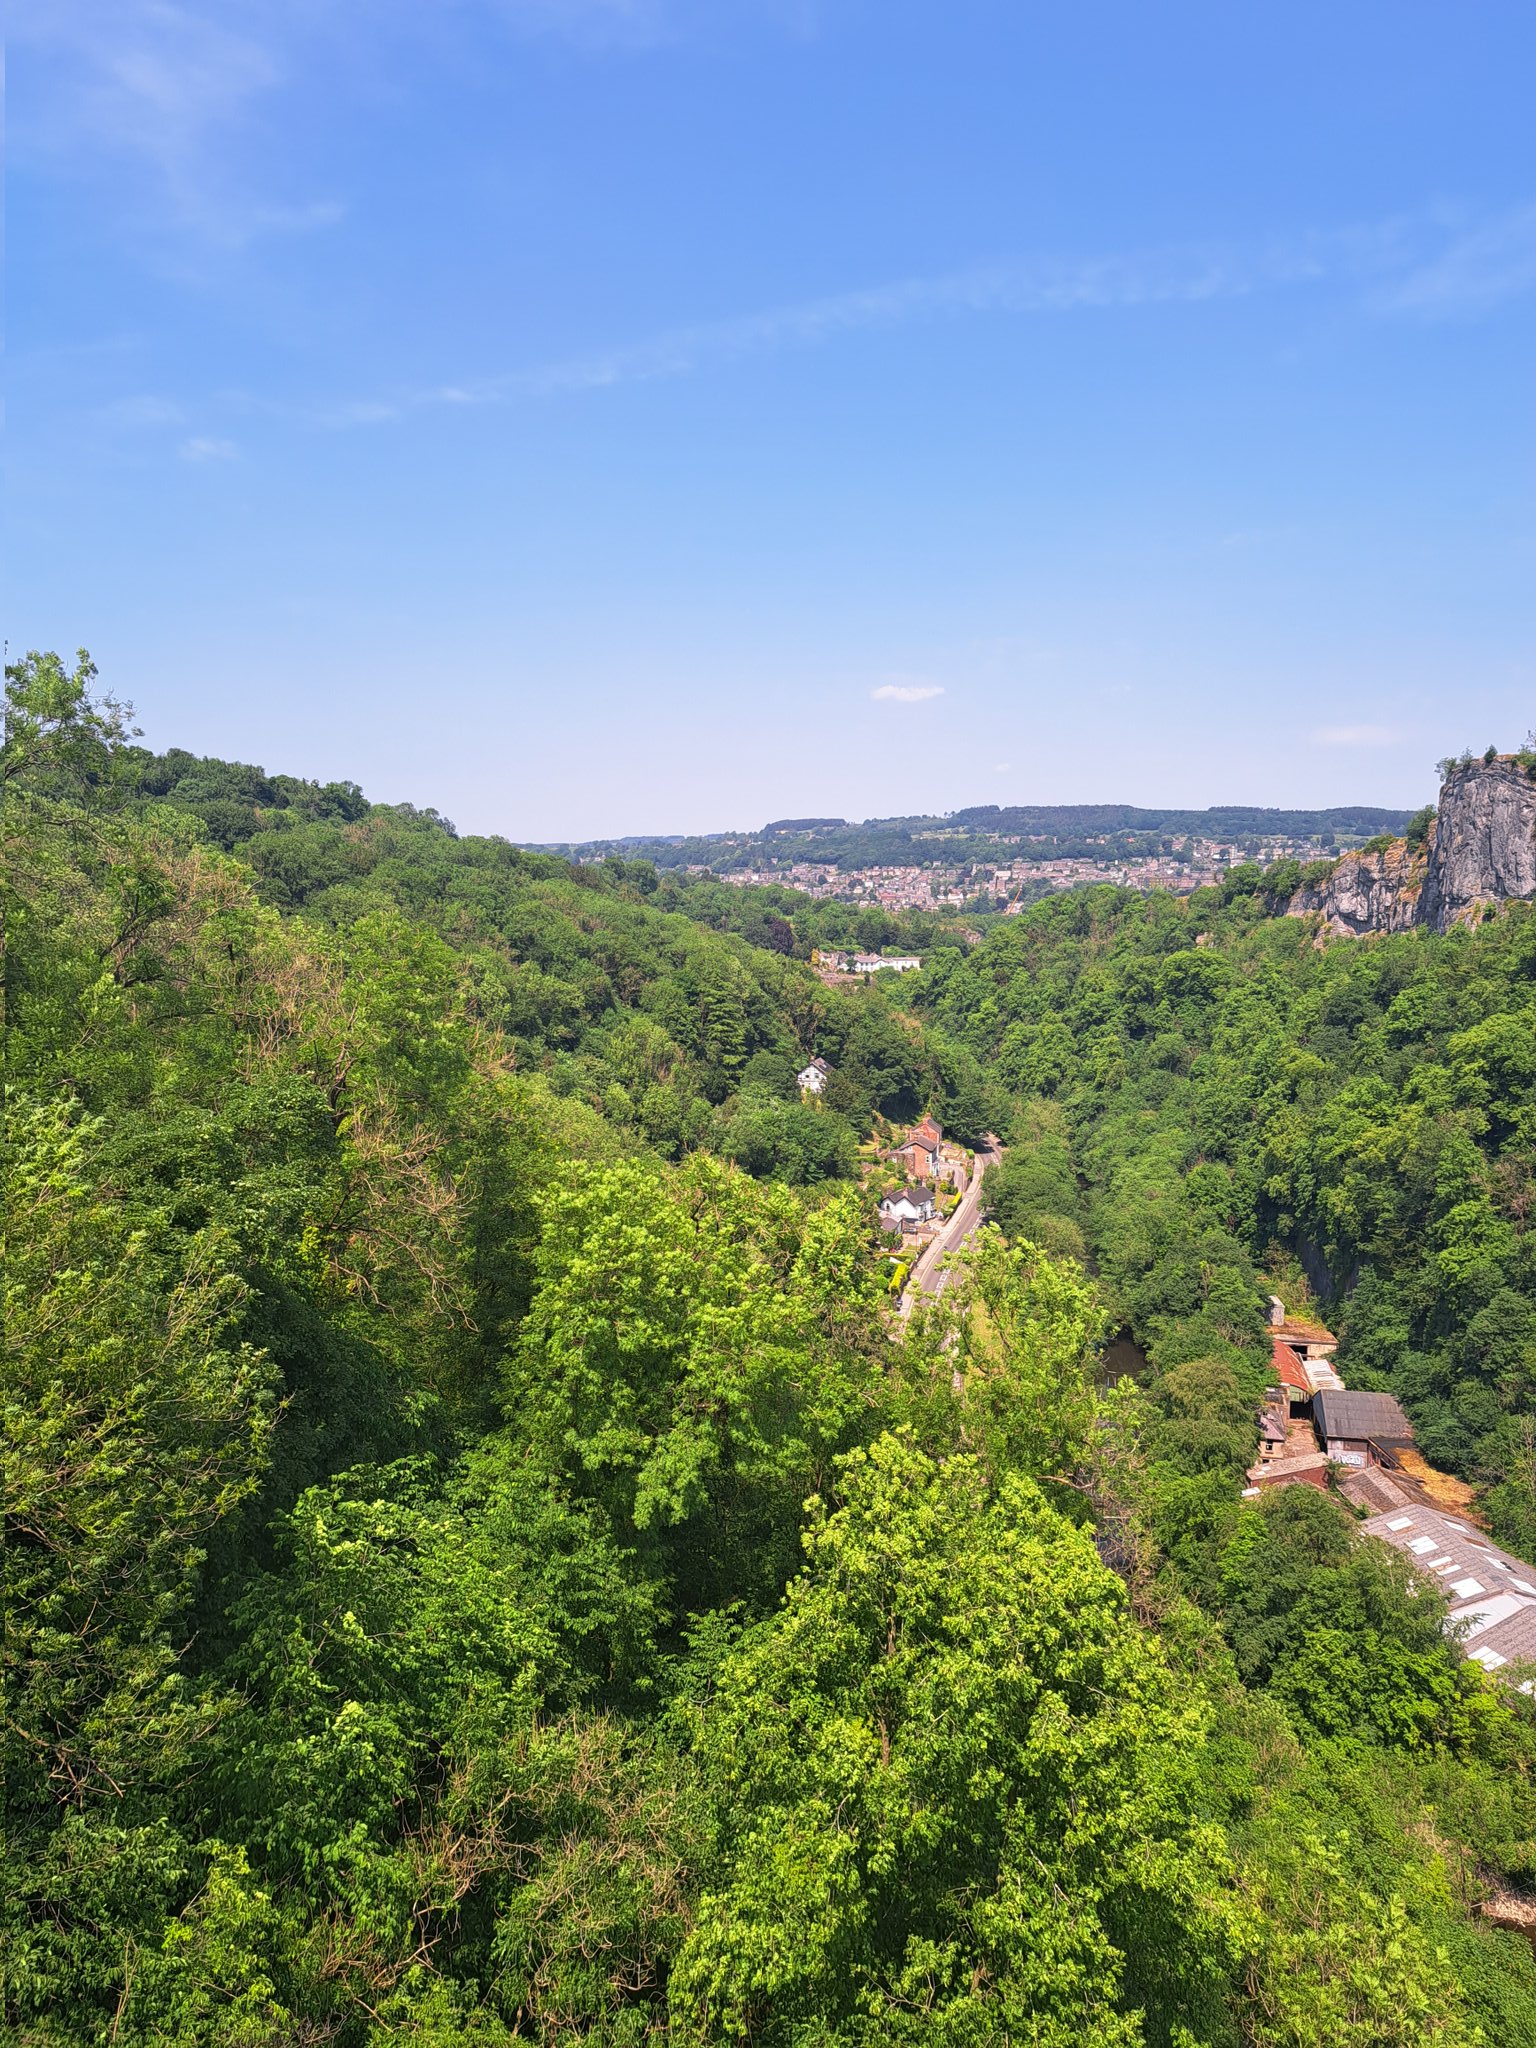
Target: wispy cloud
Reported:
[(1356, 736), (204, 448), (179, 89), (1158, 279), (906, 693), (165, 86), (639, 24), (1383, 258), (1480, 270), (1385, 263)]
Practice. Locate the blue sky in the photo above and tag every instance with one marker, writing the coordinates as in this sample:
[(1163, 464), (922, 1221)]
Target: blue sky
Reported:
[(615, 415)]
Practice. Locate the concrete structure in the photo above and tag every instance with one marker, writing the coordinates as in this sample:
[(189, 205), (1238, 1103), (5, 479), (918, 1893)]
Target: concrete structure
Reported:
[(1307, 1338), (1309, 1468), (1301, 1352), (1288, 1452), (1492, 1595)]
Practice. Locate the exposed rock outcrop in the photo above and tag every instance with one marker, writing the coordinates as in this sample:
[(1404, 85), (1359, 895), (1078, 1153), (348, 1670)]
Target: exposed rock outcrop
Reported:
[(1369, 892), (1484, 842), (1480, 849)]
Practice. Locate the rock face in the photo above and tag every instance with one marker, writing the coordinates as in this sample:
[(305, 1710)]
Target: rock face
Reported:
[(1481, 849), (1368, 892), (1484, 843)]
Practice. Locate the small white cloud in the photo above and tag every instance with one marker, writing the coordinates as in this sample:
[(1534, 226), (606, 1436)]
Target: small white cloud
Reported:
[(906, 693), (1355, 736), (1002, 768), (201, 449)]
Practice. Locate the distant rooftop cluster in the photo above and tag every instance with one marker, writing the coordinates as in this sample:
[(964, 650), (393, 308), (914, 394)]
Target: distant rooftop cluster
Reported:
[(1020, 831)]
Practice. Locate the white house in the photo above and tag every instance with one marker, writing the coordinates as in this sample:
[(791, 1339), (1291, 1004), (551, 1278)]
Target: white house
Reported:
[(897, 963), (814, 1078), (908, 1209)]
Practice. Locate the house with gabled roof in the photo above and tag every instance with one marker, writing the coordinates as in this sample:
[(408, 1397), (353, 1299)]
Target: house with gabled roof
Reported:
[(908, 1209), (1285, 1364), (918, 1152)]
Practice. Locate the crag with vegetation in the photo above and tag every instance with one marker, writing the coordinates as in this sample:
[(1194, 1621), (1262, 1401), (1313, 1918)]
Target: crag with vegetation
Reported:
[(483, 1567)]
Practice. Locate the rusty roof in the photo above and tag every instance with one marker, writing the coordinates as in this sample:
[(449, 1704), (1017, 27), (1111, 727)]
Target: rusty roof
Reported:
[(1288, 1367), (1302, 1329)]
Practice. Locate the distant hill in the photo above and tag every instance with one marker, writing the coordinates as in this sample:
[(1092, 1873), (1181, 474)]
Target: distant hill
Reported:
[(992, 831)]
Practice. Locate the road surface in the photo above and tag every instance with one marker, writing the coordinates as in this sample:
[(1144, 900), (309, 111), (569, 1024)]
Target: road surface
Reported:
[(930, 1275)]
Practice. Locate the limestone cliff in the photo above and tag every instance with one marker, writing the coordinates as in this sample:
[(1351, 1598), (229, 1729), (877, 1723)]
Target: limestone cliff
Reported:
[(1484, 847), (1480, 849), (1368, 892)]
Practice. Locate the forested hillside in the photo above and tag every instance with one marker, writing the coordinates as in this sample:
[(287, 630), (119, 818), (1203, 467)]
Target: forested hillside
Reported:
[(1214, 1096), (484, 1564)]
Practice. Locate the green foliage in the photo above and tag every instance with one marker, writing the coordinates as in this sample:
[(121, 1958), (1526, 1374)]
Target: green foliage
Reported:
[(1366, 1109), (955, 1787), (1334, 1628), (137, 1421), (484, 1561), (698, 1350)]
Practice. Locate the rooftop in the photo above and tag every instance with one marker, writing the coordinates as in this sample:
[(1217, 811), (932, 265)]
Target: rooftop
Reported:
[(1287, 1367), (1301, 1330), (1311, 1466), (1492, 1595), (1342, 1414)]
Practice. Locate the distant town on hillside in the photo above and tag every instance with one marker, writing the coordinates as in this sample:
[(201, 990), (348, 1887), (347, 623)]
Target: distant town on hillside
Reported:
[(994, 857), (1024, 831)]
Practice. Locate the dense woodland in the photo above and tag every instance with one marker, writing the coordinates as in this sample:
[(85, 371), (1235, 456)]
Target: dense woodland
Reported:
[(484, 1564)]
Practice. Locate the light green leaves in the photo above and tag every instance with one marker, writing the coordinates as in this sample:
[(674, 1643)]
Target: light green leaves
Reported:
[(959, 1788)]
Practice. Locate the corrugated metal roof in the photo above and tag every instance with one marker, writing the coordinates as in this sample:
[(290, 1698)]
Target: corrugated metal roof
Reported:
[(1287, 1367), (1341, 1413), (1492, 1595)]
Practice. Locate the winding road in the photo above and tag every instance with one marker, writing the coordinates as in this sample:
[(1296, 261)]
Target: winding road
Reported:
[(931, 1275)]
